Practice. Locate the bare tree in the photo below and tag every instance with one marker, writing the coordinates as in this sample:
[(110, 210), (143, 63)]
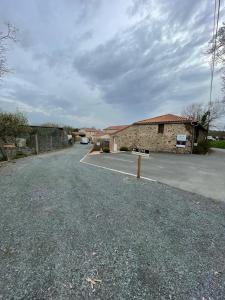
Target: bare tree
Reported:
[(217, 45), (5, 37), (193, 111), (205, 114)]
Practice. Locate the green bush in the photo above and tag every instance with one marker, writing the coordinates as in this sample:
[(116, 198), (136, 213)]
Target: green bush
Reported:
[(124, 148), (217, 144), (20, 155), (106, 150), (96, 148), (202, 147)]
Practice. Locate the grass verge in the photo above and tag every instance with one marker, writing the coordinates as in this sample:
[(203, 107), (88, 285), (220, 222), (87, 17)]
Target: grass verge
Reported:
[(217, 144)]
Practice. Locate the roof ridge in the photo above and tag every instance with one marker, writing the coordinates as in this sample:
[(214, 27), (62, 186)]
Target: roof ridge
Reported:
[(111, 126), (156, 117), (164, 118)]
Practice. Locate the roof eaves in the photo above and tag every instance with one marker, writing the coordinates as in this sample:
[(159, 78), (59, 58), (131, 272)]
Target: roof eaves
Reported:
[(120, 129), (163, 122)]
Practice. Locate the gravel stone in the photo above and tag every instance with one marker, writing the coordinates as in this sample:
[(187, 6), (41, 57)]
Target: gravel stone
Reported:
[(62, 221)]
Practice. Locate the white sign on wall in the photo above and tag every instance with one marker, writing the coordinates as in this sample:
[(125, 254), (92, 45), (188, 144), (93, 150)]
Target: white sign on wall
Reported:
[(181, 137), (181, 140)]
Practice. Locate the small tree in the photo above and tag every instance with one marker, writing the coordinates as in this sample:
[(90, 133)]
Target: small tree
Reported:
[(11, 126), (69, 129)]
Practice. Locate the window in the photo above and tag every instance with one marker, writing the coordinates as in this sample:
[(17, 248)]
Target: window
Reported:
[(160, 128), (181, 144)]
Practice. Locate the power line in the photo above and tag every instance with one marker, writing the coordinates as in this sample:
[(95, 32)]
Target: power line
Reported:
[(215, 33), (213, 36)]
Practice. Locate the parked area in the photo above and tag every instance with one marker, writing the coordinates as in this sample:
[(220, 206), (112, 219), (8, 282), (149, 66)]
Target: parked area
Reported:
[(202, 174), (64, 223)]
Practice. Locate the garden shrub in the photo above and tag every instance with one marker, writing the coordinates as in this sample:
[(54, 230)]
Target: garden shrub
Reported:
[(20, 155), (96, 148), (202, 147), (106, 150), (123, 148)]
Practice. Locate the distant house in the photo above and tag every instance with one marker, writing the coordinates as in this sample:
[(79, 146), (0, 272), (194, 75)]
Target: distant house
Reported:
[(102, 138), (88, 132), (166, 133), (112, 129), (100, 135)]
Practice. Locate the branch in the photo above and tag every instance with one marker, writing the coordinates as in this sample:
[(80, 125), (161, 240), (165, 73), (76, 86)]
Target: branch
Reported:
[(10, 35)]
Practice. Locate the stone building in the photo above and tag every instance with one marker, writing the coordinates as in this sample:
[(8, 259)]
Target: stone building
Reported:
[(113, 129), (100, 136), (166, 133)]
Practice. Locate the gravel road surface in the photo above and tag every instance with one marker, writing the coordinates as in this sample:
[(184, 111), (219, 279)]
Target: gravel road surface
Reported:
[(63, 223)]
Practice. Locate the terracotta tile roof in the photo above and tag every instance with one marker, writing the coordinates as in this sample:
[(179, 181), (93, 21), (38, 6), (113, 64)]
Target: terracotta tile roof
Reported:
[(169, 118), (120, 130), (89, 129), (117, 127), (99, 133)]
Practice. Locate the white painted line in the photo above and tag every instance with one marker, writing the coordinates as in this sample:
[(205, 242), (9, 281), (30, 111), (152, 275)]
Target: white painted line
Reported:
[(120, 159), (149, 179), (85, 155), (117, 171)]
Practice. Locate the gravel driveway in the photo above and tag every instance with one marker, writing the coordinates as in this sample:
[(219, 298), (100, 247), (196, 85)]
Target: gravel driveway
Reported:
[(62, 222)]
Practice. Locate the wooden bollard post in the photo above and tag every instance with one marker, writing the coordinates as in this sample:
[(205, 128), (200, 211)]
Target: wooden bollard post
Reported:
[(139, 167), (36, 144), (51, 142)]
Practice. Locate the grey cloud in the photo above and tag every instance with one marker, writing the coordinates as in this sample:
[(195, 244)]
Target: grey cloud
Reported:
[(138, 7), (87, 8), (195, 74), (176, 11), (63, 64), (142, 66)]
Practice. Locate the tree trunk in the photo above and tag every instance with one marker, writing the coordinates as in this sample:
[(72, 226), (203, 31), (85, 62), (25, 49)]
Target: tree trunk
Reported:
[(4, 153)]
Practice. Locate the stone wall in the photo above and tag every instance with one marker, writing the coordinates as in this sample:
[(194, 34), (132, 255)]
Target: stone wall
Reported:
[(147, 137)]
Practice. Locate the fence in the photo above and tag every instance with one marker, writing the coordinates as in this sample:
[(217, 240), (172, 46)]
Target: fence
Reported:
[(39, 140)]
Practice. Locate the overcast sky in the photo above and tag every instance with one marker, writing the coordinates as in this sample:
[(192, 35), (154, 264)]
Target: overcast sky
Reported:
[(100, 62)]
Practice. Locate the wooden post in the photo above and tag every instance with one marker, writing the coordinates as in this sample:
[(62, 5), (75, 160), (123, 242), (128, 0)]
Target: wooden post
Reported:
[(36, 144), (51, 142), (139, 167)]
